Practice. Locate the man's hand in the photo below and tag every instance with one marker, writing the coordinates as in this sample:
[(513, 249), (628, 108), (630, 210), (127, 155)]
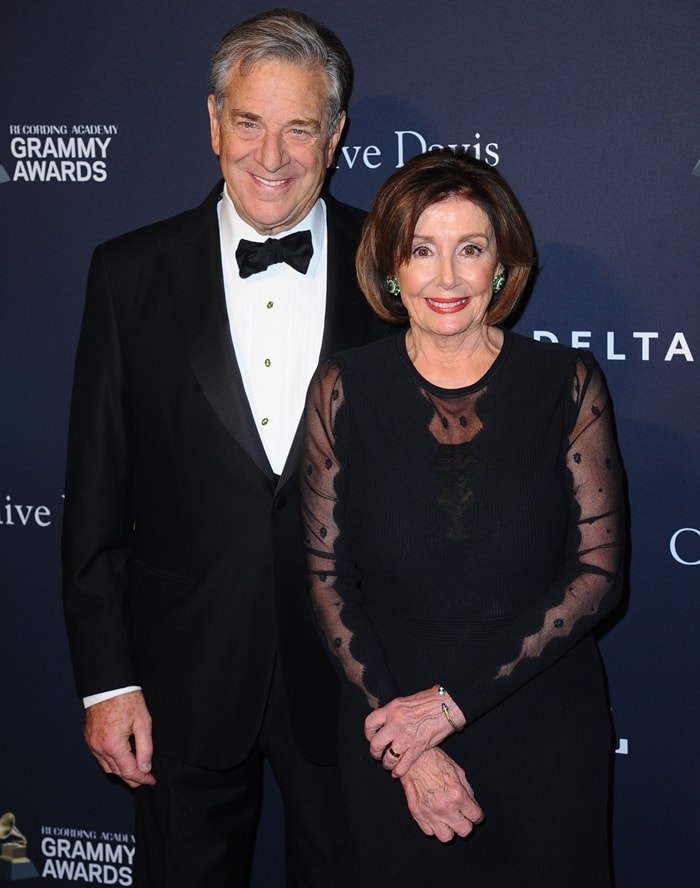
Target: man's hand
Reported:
[(439, 797), (109, 729)]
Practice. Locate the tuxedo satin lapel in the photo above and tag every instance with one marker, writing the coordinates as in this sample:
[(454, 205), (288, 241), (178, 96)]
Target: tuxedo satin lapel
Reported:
[(291, 466), (347, 316), (197, 288)]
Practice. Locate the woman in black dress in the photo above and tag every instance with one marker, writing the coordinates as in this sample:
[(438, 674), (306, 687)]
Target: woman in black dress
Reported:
[(464, 521)]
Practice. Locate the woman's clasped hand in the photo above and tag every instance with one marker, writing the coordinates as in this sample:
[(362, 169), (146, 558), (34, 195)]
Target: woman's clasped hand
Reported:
[(400, 732)]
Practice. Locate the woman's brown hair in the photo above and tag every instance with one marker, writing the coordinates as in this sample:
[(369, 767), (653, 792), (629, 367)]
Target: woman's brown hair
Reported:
[(387, 237)]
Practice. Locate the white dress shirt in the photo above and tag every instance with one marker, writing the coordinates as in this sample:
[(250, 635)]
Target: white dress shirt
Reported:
[(276, 318)]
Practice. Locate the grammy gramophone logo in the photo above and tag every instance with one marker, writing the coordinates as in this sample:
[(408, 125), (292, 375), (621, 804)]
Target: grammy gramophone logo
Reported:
[(14, 863)]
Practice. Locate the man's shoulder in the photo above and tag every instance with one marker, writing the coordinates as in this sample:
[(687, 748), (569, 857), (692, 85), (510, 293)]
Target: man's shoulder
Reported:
[(344, 216), (184, 224)]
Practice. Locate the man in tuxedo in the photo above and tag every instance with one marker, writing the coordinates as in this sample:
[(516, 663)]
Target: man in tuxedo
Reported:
[(184, 588)]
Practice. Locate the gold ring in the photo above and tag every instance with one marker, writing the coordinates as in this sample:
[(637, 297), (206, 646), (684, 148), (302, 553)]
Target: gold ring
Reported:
[(389, 748)]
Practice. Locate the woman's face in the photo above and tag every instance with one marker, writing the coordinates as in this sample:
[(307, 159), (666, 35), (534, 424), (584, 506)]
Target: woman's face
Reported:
[(447, 283)]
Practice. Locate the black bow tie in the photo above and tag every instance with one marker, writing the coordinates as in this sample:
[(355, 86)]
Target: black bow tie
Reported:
[(294, 249)]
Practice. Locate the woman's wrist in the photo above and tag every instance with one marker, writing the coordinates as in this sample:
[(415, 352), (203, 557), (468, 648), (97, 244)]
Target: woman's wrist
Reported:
[(453, 714)]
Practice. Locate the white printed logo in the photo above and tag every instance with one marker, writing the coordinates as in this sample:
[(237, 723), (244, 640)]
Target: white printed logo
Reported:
[(59, 152), (685, 546)]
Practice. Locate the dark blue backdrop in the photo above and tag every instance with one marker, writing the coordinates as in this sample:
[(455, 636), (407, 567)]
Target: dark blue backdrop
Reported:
[(591, 112)]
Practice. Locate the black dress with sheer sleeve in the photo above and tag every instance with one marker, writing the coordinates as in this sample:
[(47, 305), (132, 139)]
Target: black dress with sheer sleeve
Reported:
[(473, 538)]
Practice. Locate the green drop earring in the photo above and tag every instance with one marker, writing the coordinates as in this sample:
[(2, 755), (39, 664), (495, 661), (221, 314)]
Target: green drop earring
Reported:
[(498, 283)]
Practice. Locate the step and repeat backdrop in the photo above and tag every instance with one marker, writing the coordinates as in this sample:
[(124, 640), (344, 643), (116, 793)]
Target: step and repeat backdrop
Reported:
[(591, 111)]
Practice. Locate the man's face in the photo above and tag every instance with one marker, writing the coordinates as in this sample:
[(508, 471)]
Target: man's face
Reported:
[(273, 143)]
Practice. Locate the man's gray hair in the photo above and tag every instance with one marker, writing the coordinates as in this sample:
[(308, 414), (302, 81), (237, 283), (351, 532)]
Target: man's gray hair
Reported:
[(289, 36)]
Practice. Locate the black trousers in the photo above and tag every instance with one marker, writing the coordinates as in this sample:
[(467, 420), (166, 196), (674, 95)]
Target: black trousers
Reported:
[(196, 827)]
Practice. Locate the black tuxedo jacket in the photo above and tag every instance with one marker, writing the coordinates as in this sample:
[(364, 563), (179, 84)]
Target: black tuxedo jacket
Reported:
[(183, 566)]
